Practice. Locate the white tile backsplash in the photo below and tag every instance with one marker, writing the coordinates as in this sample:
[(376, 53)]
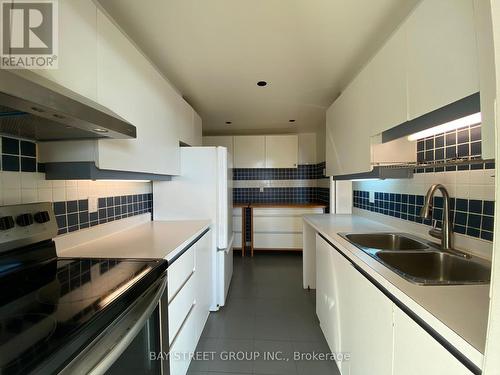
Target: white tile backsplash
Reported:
[(24, 187), (475, 184)]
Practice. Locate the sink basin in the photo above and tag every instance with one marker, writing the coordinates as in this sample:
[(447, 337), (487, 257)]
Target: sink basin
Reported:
[(432, 268), (385, 241)]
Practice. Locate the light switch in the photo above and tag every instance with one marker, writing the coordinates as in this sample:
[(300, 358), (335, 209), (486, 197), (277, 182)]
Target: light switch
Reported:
[(371, 197), (92, 204)]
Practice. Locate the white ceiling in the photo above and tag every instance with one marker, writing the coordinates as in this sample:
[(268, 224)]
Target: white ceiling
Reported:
[(214, 52)]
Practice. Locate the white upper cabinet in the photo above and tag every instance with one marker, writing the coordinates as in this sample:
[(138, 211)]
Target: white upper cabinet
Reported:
[(282, 151), (381, 86), (129, 85), (441, 55), (77, 48), (189, 124), (416, 352), (220, 140), (347, 137), (249, 151)]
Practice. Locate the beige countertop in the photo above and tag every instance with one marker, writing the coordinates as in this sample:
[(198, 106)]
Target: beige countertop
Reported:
[(459, 313), (150, 239)]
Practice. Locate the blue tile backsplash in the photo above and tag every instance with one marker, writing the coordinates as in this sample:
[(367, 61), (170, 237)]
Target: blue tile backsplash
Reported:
[(457, 144), (470, 216), (281, 194), (75, 215), (18, 155)]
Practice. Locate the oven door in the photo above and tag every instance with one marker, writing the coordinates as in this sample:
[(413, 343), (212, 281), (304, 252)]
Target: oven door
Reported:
[(133, 343)]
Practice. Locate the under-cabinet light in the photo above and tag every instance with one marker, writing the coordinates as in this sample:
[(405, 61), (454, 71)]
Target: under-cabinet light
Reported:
[(448, 126)]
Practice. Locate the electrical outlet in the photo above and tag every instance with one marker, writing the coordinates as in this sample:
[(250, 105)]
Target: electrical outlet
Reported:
[(92, 204), (371, 197), (261, 189)]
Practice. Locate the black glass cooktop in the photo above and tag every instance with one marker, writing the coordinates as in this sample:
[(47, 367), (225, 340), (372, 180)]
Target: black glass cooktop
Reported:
[(50, 310)]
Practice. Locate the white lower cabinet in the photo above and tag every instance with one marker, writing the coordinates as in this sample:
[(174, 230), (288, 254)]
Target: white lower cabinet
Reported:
[(358, 319), (279, 227), (188, 303), (416, 352)]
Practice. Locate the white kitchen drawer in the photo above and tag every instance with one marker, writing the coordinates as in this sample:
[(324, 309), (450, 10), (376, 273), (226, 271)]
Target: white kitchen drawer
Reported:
[(277, 240), (287, 224), (184, 344), (237, 240), (286, 211), (237, 222), (180, 271), (179, 306)]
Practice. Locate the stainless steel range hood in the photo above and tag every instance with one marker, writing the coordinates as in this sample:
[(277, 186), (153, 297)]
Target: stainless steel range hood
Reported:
[(38, 109)]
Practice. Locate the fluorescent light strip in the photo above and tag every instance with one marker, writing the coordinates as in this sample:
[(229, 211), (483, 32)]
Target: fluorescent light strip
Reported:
[(446, 127)]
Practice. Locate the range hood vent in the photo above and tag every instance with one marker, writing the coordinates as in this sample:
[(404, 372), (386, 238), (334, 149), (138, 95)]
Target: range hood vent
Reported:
[(378, 173), (35, 108), (87, 170)]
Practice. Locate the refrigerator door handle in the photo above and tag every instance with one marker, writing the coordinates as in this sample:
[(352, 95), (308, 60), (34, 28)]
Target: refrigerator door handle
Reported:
[(229, 245)]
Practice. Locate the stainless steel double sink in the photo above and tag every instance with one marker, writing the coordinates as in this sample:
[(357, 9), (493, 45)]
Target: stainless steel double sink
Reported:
[(421, 262)]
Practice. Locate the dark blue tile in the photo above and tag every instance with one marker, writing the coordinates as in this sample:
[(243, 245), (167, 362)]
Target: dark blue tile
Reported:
[(83, 217), (459, 229), (473, 232), (83, 205), (461, 218), (72, 219), (488, 236), (102, 213), (61, 221), (451, 152), (117, 201), (475, 206), (451, 139), (463, 150), (41, 167), (463, 136), (72, 206), (101, 203), (487, 223), (10, 146), (73, 228), (110, 212), (439, 141), (429, 155), (28, 164), (439, 154), (28, 149), (475, 134), (93, 216), (10, 163), (477, 166), (489, 208), (59, 208), (429, 143), (461, 205), (420, 145), (438, 202), (474, 221), (475, 148), (109, 201)]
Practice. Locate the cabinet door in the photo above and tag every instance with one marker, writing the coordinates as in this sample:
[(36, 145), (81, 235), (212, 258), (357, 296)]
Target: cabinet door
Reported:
[(441, 55), (197, 129), (221, 140), (203, 274), (129, 85), (77, 48), (347, 138), (184, 121), (381, 86), (327, 297), (249, 151), (282, 151), (365, 323), (416, 352)]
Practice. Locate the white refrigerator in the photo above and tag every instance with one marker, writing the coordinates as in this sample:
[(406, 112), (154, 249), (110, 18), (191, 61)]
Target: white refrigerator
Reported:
[(204, 190)]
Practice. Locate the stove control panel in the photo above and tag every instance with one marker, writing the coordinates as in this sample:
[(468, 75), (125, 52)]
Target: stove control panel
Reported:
[(25, 224)]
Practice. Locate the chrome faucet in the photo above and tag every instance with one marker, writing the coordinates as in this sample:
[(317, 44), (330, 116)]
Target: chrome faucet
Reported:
[(445, 234)]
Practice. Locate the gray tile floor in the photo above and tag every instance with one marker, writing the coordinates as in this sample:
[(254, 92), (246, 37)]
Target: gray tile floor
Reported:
[(267, 311)]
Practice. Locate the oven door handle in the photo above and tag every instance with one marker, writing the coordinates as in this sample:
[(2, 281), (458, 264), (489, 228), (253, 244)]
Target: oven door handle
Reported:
[(98, 357)]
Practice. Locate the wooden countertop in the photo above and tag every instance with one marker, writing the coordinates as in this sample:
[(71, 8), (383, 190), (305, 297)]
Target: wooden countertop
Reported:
[(280, 205)]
